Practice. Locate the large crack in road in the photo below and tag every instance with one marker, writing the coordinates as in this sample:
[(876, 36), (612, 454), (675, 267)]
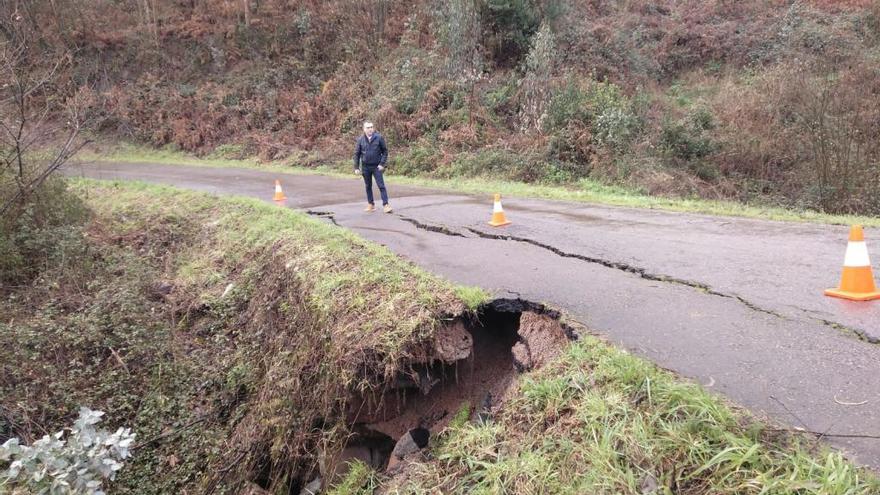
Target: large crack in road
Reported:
[(735, 303), (615, 265), (639, 271)]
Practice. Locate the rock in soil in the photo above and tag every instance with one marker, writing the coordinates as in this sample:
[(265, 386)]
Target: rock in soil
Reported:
[(313, 488), (160, 290), (453, 343), (412, 441), (541, 340), (649, 485)]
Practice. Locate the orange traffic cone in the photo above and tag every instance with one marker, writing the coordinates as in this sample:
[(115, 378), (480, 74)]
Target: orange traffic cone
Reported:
[(279, 195), (498, 218), (857, 281)]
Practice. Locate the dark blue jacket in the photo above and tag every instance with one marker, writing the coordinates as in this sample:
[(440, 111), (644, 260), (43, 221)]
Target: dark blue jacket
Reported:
[(371, 152)]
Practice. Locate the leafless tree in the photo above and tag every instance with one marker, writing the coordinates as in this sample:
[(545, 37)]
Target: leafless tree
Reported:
[(841, 134), (536, 92), (149, 13), (40, 122), (372, 15), (461, 34)]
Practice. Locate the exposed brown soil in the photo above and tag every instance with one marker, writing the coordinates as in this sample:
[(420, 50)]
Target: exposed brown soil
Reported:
[(484, 375), (541, 340), (473, 364)]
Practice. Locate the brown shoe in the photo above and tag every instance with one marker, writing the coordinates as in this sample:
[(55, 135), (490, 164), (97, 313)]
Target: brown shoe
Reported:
[(370, 208), (387, 209)]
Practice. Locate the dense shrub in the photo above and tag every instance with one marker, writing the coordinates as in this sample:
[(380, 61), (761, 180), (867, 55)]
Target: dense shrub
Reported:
[(587, 102), (840, 136), (509, 165), (688, 139), (421, 159), (585, 115), (43, 234), (687, 143), (805, 135), (573, 81), (500, 99), (508, 25)]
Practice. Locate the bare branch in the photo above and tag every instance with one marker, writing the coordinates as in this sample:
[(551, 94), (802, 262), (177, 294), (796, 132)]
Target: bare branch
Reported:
[(33, 116)]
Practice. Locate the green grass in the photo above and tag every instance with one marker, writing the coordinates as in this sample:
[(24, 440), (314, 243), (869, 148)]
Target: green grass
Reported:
[(360, 480), (585, 190), (312, 306), (124, 152), (472, 297), (601, 421), (273, 320), (356, 276)]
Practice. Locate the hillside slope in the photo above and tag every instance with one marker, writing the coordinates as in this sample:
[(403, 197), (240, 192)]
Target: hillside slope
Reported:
[(765, 101)]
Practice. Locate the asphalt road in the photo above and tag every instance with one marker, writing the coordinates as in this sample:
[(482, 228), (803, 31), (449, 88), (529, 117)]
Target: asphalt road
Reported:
[(735, 304)]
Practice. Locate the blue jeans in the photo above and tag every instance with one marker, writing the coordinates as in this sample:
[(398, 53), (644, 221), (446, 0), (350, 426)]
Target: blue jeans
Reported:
[(370, 171)]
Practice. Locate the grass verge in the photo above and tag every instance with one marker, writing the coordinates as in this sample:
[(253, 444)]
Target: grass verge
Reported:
[(228, 333), (601, 421), (585, 190)]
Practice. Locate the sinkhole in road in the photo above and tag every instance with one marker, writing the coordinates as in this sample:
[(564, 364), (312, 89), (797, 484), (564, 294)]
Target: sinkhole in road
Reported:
[(470, 367)]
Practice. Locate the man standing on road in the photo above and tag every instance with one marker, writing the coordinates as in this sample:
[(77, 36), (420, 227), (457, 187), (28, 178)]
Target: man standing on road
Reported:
[(370, 157)]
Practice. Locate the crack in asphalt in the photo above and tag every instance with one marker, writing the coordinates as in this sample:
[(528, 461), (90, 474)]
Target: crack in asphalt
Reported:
[(625, 267), (324, 214), (849, 331), (616, 265), (440, 229)]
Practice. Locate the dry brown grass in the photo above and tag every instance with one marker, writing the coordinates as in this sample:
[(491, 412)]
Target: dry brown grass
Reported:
[(289, 84)]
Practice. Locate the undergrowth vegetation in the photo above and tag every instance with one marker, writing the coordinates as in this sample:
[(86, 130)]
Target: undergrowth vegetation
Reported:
[(42, 235), (228, 334), (770, 102), (601, 421)]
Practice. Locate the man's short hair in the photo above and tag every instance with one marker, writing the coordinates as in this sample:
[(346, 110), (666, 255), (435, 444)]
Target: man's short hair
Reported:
[(368, 124)]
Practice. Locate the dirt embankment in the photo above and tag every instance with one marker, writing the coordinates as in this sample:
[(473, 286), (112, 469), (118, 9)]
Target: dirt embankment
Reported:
[(250, 347)]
